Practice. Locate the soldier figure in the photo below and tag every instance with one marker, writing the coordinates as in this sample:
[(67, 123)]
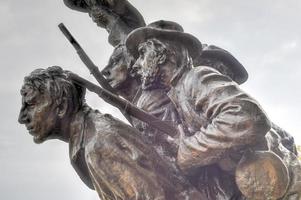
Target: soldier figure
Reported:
[(108, 155), (225, 147), (221, 124)]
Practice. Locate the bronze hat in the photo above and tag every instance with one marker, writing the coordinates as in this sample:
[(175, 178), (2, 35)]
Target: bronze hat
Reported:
[(79, 5), (240, 74), (166, 30), (122, 8)]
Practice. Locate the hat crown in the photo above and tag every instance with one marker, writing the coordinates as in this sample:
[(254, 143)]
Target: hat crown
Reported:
[(166, 25), (214, 53)]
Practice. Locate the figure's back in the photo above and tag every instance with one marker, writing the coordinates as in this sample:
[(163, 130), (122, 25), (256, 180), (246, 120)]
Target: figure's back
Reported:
[(121, 164)]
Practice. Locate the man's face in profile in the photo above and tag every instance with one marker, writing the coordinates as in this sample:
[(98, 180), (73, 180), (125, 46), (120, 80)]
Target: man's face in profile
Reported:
[(38, 113), (116, 72)]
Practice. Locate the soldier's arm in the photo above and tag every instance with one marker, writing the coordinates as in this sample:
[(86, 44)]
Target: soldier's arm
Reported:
[(235, 120)]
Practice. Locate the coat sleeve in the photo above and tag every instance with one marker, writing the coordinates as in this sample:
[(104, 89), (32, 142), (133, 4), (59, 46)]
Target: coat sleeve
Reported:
[(235, 120)]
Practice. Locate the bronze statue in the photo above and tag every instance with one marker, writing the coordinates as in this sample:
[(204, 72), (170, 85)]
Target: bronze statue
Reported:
[(224, 148), (221, 123), (108, 155)]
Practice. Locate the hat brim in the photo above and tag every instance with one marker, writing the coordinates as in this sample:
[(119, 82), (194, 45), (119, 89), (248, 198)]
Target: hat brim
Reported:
[(238, 70), (123, 9), (78, 5), (140, 35)]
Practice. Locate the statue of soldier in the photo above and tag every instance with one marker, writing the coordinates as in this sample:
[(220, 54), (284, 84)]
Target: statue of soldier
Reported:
[(211, 56), (126, 18), (157, 103), (221, 124), (108, 155)]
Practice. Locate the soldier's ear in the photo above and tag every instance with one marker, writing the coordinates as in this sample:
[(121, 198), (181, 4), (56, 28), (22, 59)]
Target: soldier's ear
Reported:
[(63, 107)]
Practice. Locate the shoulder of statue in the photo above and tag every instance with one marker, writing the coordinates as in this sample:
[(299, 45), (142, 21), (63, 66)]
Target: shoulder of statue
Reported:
[(197, 74), (203, 70), (206, 74)]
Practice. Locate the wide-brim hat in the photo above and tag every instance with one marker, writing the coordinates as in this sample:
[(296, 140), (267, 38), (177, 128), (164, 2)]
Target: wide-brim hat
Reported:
[(78, 5), (163, 30), (240, 74), (130, 15)]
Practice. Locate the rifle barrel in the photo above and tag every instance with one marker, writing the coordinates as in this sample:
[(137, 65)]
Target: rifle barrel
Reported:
[(86, 60), (126, 106), (69, 36)]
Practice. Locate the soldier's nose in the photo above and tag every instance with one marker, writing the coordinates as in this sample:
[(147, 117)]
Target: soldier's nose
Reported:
[(23, 119), (20, 119)]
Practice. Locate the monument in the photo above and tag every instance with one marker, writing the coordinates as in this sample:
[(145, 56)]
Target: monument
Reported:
[(194, 133)]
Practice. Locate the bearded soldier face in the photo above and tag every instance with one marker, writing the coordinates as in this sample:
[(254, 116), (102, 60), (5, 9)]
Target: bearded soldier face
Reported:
[(156, 64), (148, 65)]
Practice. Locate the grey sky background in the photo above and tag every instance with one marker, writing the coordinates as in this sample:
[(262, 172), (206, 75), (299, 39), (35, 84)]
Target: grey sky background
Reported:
[(264, 35)]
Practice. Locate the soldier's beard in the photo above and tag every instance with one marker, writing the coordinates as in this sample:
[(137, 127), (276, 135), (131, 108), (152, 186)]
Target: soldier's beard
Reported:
[(153, 78)]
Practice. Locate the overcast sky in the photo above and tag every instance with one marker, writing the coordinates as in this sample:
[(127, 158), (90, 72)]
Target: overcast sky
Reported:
[(265, 35)]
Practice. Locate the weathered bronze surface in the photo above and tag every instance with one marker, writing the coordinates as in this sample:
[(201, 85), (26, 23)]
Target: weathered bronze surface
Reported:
[(224, 146), (262, 167), (109, 156)]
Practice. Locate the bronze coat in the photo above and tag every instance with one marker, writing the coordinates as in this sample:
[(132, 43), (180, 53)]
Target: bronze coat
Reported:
[(220, 121), (114, 159)]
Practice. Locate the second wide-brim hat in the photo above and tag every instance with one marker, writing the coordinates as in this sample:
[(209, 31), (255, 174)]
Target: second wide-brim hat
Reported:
[(172, 31), (240, 74), (130, 15), (79, 5)]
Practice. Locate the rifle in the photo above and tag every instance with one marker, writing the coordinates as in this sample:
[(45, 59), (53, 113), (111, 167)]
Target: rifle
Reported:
[(86, 60), (125, 105), (89, 64)]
